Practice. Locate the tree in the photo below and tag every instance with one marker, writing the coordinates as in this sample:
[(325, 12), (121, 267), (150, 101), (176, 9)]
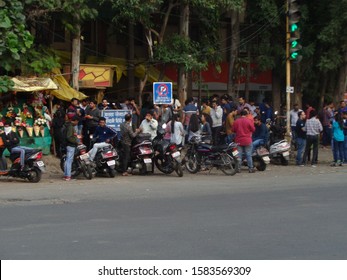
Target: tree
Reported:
[(15, 39)]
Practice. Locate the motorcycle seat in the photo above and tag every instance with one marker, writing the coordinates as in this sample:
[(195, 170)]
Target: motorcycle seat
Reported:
[(28, 151), (219, 148)]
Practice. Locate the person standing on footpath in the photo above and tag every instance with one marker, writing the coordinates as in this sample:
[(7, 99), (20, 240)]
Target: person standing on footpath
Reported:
[(217, 116), (92, 116), (344, 116), (293, 119), (243, 128), (300, 137), (313, 130), (338, 138), (127, 135), (71, 141)]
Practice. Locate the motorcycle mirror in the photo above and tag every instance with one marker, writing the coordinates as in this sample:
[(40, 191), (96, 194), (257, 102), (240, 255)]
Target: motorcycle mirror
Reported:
[(163, 126)]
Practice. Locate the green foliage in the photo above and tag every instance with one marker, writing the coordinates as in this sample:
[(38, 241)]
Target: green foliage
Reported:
[(6, 84), (181, 51), (15, 40), (40, 61)]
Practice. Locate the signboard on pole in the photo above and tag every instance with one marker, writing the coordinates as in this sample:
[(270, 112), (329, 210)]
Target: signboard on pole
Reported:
[(162, 93), (114, 118)]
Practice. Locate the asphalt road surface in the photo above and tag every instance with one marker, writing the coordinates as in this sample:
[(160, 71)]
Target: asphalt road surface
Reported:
[(282, 213)]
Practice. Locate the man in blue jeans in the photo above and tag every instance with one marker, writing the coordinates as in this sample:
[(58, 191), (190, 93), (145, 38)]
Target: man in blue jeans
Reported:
[(71, 144), (300, 137), (260, 135)]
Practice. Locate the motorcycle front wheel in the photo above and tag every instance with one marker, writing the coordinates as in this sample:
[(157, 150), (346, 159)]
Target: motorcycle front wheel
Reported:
[(191, 163), (230, 166)]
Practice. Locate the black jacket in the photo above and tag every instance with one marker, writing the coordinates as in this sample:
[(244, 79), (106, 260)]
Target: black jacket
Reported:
[(11, 140)]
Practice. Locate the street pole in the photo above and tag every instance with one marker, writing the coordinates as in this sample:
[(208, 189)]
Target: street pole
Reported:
[(288, 73)]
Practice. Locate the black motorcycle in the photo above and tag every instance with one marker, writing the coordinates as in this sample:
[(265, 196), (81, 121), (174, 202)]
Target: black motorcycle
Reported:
[(167, 156), (81, 163), (33, 165), (202, 156), (106, 160)]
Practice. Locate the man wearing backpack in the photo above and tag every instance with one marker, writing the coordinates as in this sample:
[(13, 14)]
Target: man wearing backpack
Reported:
[(71, 141)]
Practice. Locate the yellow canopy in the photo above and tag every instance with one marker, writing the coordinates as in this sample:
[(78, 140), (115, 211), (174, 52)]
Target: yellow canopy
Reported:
[(64, 91), (33, 84)]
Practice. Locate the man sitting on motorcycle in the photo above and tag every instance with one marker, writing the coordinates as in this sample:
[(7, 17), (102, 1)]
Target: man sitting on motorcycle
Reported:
[(102, 137), (11, 142), (260, 135)]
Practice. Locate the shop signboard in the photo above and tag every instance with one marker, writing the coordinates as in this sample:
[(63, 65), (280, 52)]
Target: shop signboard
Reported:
[(114, 118)]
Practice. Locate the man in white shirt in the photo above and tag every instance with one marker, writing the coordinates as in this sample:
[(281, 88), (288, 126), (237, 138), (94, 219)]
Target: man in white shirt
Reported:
[(149, 125), (293, 119), (216, 114)]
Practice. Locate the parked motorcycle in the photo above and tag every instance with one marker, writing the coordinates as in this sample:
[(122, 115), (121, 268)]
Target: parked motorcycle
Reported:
[(106, 160), (278, 146), (279, 152), (205, 156), (141, 153), (33, 166), (167, 156), (81, 163), (260, 158)]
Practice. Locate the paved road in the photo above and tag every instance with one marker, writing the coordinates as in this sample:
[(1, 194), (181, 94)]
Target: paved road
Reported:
[(282, 213)]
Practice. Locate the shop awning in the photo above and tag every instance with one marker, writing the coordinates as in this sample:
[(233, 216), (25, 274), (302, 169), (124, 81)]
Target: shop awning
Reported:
[(64, 91), (33, 84)]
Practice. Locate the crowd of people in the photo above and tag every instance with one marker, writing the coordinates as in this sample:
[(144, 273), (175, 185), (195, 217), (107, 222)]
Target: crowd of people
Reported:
[(219, 120)]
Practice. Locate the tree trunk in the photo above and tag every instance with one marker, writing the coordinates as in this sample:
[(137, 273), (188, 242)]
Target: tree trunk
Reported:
[(75, 56), (276, 91), (235, 39), (341, 86), (184, 31), (131, 62), (323, 91)]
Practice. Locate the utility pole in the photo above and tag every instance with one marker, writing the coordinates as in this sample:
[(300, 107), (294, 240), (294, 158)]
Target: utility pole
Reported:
[(288, 72)]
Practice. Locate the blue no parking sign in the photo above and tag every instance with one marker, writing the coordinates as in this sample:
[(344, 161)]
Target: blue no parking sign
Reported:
[(162, 93)]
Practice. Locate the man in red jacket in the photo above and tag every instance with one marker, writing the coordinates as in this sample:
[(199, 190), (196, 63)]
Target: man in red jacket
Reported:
[(243, 128)]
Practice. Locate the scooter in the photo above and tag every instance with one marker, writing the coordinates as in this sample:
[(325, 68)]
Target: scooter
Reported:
[(81, 163), (205, 156), (141, 153), (260, 157), (106, 160), (167, 156), (33, 166), (279, 152), (278, 146)]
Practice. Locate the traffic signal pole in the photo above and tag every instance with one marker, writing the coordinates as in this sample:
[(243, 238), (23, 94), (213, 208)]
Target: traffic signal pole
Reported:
[(288, 73)]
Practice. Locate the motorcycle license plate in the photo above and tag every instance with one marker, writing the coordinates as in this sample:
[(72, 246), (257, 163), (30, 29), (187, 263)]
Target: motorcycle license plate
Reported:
[(111, 163), (40, 163), (176, 154), (285, 154), (85, 156), (235, 153), (147, 160)]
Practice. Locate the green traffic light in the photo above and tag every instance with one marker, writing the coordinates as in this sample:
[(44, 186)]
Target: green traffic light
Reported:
[(294, 55), (293, 27), (294, 44)]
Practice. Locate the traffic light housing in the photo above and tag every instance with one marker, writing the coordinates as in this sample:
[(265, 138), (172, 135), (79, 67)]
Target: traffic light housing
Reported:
[(294, 16)]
